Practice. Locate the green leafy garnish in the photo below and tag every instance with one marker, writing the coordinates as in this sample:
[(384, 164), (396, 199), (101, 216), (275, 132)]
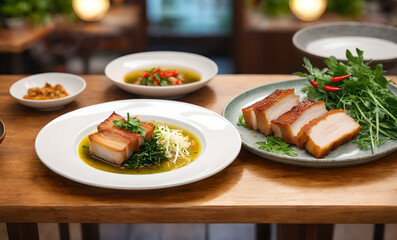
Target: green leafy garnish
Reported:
[(241, 122), (132, 125), (276, 145), (150, 153), (365, 96)]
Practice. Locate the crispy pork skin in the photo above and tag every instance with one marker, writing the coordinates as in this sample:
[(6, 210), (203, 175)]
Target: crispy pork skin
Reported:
[(110, 146), (277, 103), (326, 133), (289, 124)]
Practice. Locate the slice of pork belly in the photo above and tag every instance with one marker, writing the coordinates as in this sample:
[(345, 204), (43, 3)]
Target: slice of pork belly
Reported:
[(149, 129), (328, 132), (249, 115), (108, 124), (135, 138), (110, 146), (272, 107), (289, 124)]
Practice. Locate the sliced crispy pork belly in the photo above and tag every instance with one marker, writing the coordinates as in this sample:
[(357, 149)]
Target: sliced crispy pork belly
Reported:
[(326, 133), (272, 107), (149, 128), (108, 124), (289, 124), (110, 146), (249, 115), (115, 144)]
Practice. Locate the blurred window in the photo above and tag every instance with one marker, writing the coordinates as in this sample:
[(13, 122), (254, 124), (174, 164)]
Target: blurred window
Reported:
[(193, 18)]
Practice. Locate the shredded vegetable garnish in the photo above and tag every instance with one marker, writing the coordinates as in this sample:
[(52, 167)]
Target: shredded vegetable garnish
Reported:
[(174, 142)]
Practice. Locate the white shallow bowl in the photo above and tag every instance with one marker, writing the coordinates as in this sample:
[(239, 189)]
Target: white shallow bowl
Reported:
[(379, 42), (118, 68), (72, 84)]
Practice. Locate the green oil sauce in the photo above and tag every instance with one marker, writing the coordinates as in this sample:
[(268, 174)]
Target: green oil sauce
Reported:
[(164, 166), (190, 76)]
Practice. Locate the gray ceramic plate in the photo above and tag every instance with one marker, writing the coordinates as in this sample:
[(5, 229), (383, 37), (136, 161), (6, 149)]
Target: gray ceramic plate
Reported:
[(345, 155), (379, 42)]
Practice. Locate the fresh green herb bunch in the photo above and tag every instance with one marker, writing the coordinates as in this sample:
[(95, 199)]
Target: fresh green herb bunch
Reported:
[(132, 125), (150, 153), (364, 95)]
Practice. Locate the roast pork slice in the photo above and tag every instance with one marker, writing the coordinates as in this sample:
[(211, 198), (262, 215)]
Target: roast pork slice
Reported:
[(328, 132), (289, 124), (110, 146), (277, 103), (108, 124), (249, 114), (149, 128)]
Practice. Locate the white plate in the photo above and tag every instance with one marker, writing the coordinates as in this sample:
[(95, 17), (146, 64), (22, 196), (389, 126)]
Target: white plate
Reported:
[(346, 154), (72, 84), (57, 143), (118, 68)]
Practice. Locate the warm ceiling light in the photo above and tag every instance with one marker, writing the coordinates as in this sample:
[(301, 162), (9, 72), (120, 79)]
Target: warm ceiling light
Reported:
[(90, 10), (308, 10)]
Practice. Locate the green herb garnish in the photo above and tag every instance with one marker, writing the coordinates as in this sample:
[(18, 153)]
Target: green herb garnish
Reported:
[(132, 125), (365, 96), (276, 145), (241, 122), (150, 153)]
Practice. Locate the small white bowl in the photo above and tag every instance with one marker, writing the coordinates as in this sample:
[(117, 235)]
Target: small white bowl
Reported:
[(72, 84), (118, 68)]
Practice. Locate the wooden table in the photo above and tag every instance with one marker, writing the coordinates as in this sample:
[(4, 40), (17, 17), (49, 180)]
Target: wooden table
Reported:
[(250, 190)]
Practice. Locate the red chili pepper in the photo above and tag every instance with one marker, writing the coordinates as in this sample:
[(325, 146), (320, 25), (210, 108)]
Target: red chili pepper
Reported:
[(144, 74), (168, 74), (174, 73), (178, 82), (162, 74), (156, 82), (157, 70), (331, 89), (313, 83), (338, 79)]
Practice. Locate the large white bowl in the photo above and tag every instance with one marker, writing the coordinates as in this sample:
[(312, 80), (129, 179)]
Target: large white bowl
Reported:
[(118, 68), (72, 84)]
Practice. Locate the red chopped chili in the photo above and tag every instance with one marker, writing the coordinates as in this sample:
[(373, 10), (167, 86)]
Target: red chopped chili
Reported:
[(144, 74), (157, 70)]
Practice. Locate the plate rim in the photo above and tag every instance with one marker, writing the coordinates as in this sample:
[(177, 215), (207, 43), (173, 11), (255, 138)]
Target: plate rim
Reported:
[(305, 162), (201, 175)]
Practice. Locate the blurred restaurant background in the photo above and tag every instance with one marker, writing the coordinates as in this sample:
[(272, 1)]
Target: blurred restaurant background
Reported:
[(251, 36), (242, 37)]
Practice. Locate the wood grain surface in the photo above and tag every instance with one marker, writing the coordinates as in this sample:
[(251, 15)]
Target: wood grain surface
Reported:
[(250, 190)]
